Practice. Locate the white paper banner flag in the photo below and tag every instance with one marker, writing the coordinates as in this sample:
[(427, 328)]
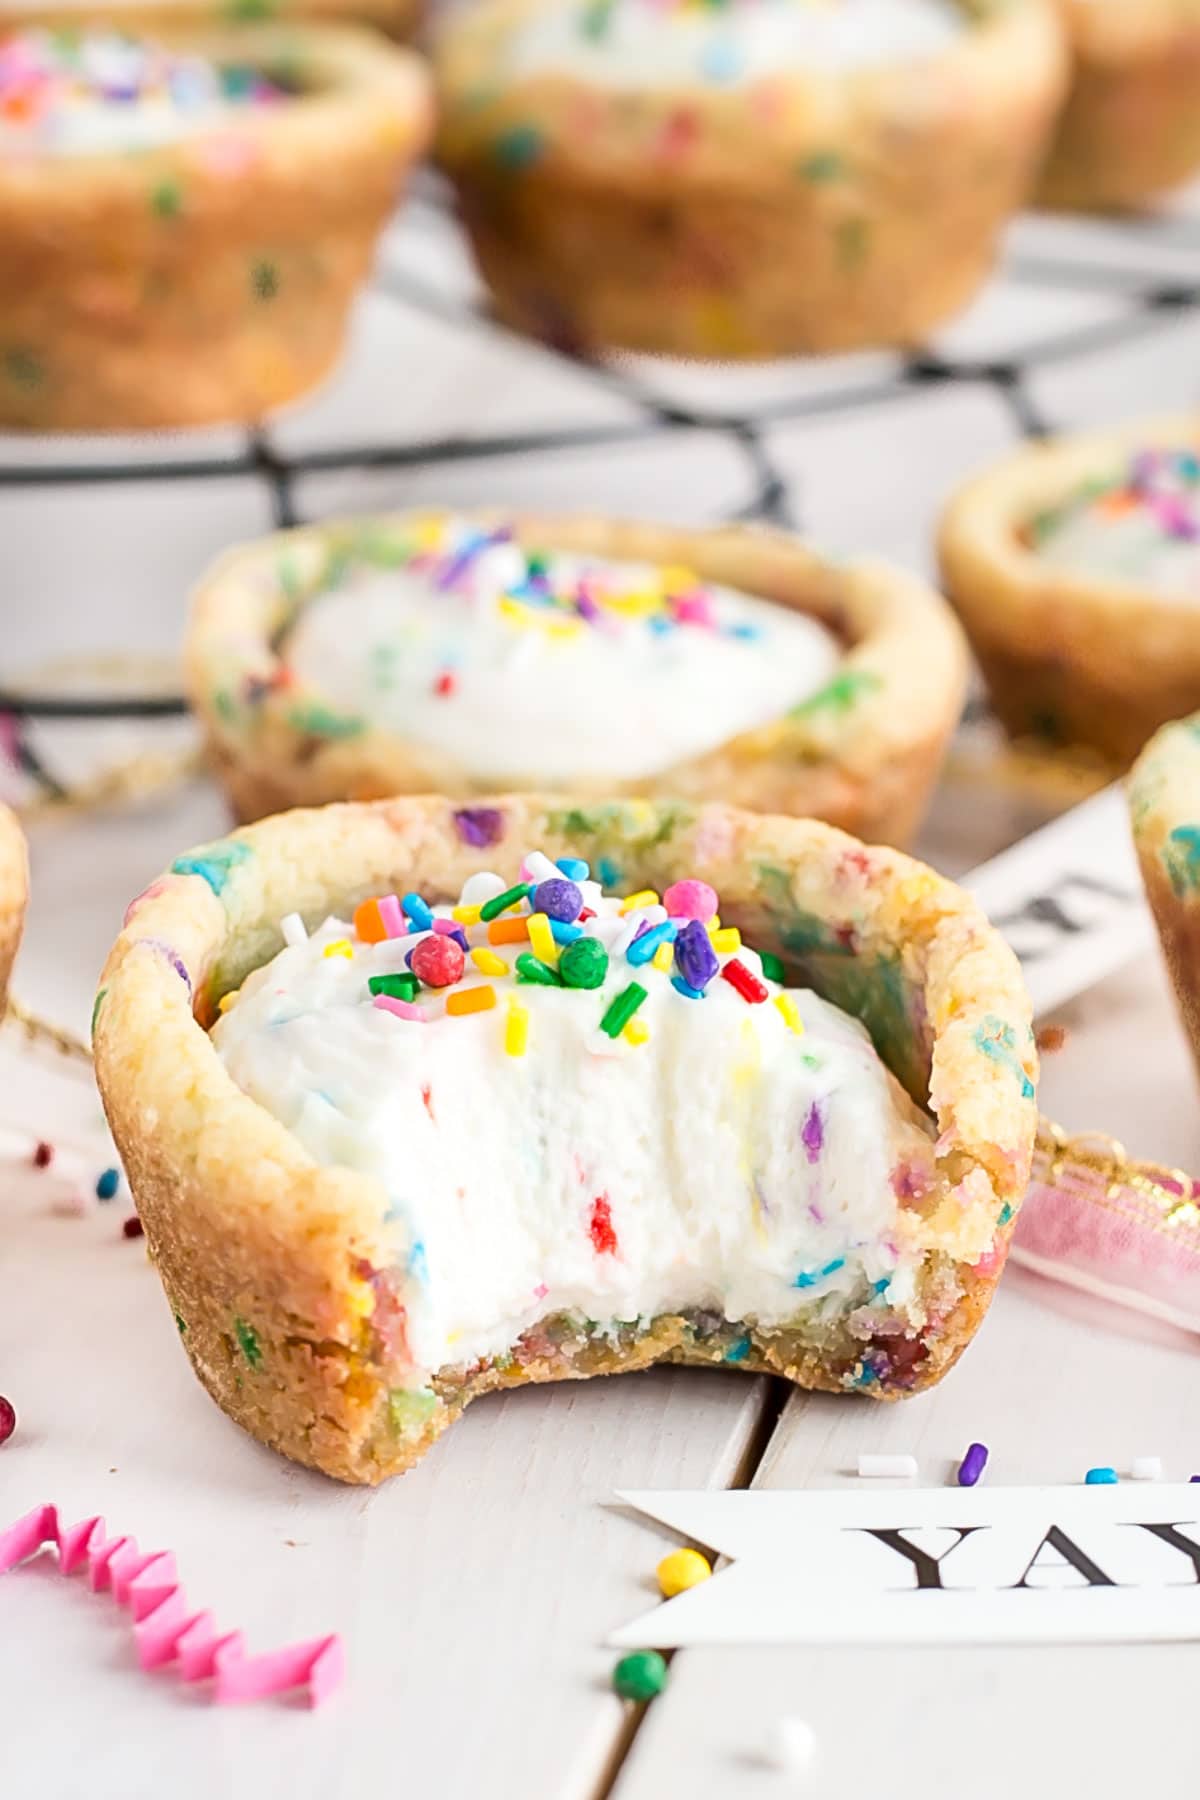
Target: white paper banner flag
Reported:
[(934, 1565), (1069, 899)]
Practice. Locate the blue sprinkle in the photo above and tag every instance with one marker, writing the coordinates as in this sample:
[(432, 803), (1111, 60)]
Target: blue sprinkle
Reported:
[(744, 631), (419, 915), (574, 868), (739, 1351), (683, 987), (877, 1287), (722, 61), (418, 1265), (809, 1277), (1101, 1478), (608, 871), (643, 948), (659, 626), (214, 863), (517, 148), (108, 1184), (563, 932)]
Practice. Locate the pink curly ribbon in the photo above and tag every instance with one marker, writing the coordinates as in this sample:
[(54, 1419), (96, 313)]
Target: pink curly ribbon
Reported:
[(1126, 1231), (164, 1628)]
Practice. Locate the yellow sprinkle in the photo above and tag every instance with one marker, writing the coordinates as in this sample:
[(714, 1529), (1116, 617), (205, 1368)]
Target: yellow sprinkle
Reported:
[(513, 611), (567, 628), (340, 947), (516, 1028), (663, 957), (681, 1570), (488, 963), (465, 915), (542, 938), (727, 941), (714, 925), (471, 1000), (636, 1032), (228, 1000), (791, 1013), (647, 897), (675, 576), (361, 1298), (429, 531)]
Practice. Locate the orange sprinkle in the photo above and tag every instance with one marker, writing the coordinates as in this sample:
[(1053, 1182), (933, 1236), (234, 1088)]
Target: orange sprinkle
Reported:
[(368, 922), (508, 931), (471, 1000)]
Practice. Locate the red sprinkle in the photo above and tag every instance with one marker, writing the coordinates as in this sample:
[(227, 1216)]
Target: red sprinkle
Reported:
[(446, 683), (600, 1227), (427, 1099), (8, 1419), (585, 915), (132, 1228), (748, 986), (438, 961), (43, 1156)]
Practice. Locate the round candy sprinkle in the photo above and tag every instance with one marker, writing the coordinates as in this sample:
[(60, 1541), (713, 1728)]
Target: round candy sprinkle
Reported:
[(690, 900), (972, 1465), (681, 1570), (640, 1675), (1103, 1477), (695, 958), (558, 899), (584, 964), (438, 961), (792, 1745), (8, 1419), (132, 1228), (107, 1184)]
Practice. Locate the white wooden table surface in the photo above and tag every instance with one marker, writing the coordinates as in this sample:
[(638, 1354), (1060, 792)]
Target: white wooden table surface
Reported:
[(475, 1594)]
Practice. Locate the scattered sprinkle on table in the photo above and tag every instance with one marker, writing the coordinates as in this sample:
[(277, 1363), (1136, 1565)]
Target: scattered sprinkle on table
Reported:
[(879, 1467), (972, 1465), (681, 1570), (792, 1745), (640, 1675), (1146, 1468), (1102, 1477), (8, 1419)]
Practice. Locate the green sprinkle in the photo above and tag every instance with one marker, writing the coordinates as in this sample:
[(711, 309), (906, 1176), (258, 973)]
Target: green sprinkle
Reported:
[(1006, 1213), (166, 200), (852, 239), (840, 694), (491, 909), (97, 1003), (518, 148), (397, 987), (622, 1009), (180, 1324), (409, 1409), (825, 165), (264, 279), (248, 1342), (738, 1351), (584, 964), (532, 968), (321, 721), (640, 1676), (24, 369), (772, 968)]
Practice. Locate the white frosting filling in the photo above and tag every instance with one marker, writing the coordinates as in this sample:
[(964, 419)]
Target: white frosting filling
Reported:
[(646, 43), (1133, 547), (510, 692), (728, 1163)]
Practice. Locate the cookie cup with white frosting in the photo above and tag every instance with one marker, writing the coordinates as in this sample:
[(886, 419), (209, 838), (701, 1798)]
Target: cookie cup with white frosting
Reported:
[(298, 1291), (861, 750), (1071, 655), (14, 894), (208, 276), (398, 18), (1130, 130), (803, 205), (1164, 810)]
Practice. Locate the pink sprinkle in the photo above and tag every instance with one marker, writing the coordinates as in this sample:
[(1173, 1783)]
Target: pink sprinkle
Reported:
[(403, 1009), (693, 609), (540, 1291), (690, 900), (391, 915), (447, 927)]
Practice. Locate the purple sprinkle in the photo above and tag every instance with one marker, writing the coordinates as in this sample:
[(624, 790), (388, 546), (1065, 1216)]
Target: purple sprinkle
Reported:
[(813, 1134), (972, 1465), (695, 957), (479, 826), (173, 957), (558, 899)]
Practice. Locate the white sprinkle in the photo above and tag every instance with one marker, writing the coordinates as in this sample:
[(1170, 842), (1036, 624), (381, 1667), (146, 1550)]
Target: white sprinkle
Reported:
[(1146, 1468), (792, 1745), (898, 1467), (481, 887), (293, 929), (538, 867)]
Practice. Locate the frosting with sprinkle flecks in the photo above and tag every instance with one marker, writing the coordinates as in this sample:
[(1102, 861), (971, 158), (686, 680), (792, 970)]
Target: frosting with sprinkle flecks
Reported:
[(1139, 526)]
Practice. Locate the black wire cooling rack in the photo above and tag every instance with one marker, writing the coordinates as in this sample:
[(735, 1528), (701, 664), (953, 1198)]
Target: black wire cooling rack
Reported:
[(1151, 267)]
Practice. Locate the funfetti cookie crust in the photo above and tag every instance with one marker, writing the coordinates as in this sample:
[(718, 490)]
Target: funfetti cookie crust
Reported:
[(183, 257), (860, 749), (1089, 638), (735, 197), (398, 18), (300, 1293), (14, 894), (1164, 809)]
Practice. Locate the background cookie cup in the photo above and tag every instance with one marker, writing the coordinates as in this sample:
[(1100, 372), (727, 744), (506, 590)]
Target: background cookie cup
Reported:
[(14, 892), (862, 753), (277, 1269), (1131, 126), (209, 278), (1067, 657), (399, 18), (816, 210), (1164, 809)]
